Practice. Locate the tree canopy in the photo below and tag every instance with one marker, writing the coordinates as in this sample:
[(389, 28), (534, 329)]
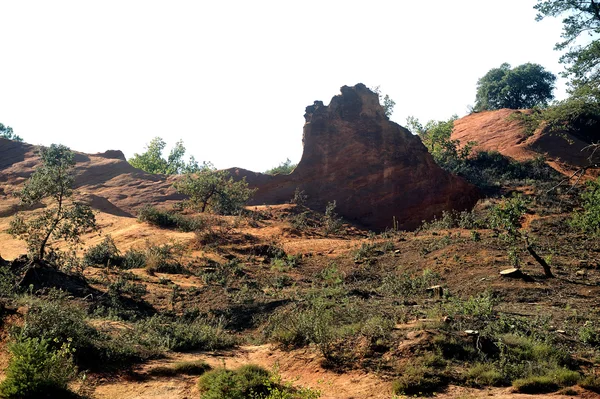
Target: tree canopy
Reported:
[(62, 219), (6, 132), (581, 18), (524, 86), (214, 190), (284, 168), (152, 160)]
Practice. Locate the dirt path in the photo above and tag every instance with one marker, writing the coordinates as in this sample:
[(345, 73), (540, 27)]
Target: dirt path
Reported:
[(299, 367)]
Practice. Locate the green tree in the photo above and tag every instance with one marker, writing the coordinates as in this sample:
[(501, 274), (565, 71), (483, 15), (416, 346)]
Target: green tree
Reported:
[(581, 18), (36, 370), (152, 160), (588, 219), (386, 101), (284, 168), (6, 132), (62, 219), (435, 135), (215, 190), (525, 86)]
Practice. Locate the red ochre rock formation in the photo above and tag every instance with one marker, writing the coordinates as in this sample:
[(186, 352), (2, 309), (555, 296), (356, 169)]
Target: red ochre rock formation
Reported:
[(106, 181), (373, 168)]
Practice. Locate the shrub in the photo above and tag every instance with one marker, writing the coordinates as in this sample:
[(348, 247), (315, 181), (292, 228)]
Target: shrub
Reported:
[(418, 379), (37, 370), (169, 219), (197, 367), (104, 253), (331, 221), (589, 334), (162, 258), (133, 259), (249, 381), (591, 382), (588, 219), (284, 168), (214, 190), (181, 335), (535, 384), (484, 374), (245, 382), (59, 323)]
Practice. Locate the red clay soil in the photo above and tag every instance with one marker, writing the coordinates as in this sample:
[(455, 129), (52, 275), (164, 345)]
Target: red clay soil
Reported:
[(106, 181), (497, 131)]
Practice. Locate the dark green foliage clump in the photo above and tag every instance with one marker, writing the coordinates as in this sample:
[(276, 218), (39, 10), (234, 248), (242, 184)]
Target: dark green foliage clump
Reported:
[(105, 253), (485, 169), (525, 86), (6, 132), (169, 219), (152, 161), (198, 367), (58, 322), (245, 382), (588, 219), (183, 335), (214, 190), (37, 369), (284, 168)]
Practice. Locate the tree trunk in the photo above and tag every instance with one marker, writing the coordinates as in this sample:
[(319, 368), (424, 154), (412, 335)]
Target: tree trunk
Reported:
[(539, 259)]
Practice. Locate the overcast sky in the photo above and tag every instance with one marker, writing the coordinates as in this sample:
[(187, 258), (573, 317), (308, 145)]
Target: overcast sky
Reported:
[(232, 78)]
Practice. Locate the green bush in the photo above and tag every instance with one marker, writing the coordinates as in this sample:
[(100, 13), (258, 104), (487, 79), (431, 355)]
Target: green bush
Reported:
[(484, 374), (162, 259), (284, 168), (38, 370), (331, 221), (418, 378), (182, 335), (591, 382), (170, 219), (133, 259), (249, 381), (588, 219), (245, 382), (105, 253), (535, 384), (197, 367), (58, 322)]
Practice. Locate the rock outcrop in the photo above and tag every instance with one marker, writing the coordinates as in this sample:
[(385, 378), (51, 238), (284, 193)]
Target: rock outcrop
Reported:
[(500, 131), (373, 168), (106, 181)]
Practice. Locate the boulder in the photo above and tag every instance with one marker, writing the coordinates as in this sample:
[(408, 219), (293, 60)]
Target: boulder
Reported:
[(375, 170)]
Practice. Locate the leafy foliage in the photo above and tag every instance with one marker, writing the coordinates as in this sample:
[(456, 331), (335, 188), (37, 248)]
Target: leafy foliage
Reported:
[(6, 132), (105, 253), (37, 370), (284, 168), (66, 220), (249, 381), (152, 161), (386, 101), (588, 219), (169, 219), (582, 17), (214, 190), (524, 86), (484, 169)]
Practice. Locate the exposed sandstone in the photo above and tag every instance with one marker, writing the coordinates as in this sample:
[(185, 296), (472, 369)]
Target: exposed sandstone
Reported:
[(373, 168)]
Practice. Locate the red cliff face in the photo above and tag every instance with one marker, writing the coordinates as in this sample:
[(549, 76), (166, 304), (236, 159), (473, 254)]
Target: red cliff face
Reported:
[(373, 168)]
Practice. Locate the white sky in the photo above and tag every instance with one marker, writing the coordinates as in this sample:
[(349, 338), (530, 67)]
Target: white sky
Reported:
[(232, 78)]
